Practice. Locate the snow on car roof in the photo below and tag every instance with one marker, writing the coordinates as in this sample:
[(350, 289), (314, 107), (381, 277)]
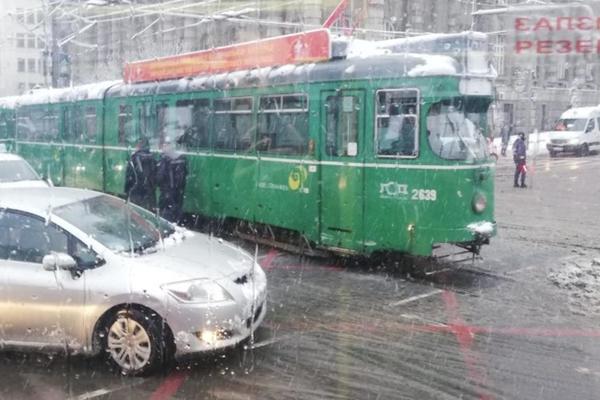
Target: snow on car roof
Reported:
[(40, 200), (9, 157)]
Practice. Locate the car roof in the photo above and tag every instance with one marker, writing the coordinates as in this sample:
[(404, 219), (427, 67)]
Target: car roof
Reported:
[(9, 157), (38, 200), (581, 112)]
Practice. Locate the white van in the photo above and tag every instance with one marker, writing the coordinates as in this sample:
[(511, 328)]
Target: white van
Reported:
[(577, 131)]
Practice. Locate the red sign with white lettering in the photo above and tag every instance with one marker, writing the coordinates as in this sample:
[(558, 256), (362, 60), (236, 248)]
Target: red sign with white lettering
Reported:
[(298, 48)]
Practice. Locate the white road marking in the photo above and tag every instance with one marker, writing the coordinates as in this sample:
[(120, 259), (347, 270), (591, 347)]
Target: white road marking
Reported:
[(519, 270), (94, 393), (415, 298), (268, 342), (102, 392), (413, 317)]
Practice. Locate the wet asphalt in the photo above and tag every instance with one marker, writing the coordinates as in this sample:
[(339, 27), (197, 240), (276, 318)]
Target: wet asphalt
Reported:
[(493, 328)]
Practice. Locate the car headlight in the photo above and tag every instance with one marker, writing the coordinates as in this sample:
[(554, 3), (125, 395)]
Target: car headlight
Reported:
[(573, 141), (198, 291), (479, 203)]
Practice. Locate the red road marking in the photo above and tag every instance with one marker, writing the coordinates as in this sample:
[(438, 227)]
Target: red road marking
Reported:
[(540, 332), (170, 386), (266, 264), (465, 335)]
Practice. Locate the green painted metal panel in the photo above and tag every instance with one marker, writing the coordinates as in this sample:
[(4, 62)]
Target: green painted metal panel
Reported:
[(82, 145), (342, 174)]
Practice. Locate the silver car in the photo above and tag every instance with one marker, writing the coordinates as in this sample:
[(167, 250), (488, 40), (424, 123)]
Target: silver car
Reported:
[(16, 172), (88, 273)]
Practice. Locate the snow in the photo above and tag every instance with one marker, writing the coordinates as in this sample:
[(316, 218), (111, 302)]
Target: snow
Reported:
[(428, 38), (8, 102), (580, 278), (482, 227), (94, 91), (536, 144), (358, 48), (176, 237), (434, 65), (350, 69)]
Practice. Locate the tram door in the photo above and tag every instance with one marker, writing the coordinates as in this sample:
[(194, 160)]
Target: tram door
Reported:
[(342, 174)]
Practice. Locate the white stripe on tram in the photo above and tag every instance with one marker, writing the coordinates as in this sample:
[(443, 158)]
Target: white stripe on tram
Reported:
[(286, 160)]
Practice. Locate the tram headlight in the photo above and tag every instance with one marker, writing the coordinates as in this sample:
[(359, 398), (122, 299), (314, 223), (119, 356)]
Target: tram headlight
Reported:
[(479, 202)]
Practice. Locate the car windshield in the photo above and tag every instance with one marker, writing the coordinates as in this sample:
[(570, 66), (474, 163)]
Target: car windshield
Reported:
[(570, 124), (16, 170), (455, 129), (116, 224)]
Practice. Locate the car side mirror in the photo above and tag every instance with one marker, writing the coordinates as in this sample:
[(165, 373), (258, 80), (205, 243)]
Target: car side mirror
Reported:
[(48, 180), (54, 261)]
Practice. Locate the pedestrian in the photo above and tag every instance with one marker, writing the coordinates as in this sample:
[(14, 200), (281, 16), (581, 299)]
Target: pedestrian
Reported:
[(140, 176), (505, 136), (520, 158), (172, 173)]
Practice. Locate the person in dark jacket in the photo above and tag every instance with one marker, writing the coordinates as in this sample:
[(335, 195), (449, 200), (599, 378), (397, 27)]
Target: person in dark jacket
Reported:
[(171, 174), (520, 158), (505, 136), (140, 176)]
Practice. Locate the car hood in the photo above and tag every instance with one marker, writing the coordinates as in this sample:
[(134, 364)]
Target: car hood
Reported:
[(24, 184), (196, 256), (564, 135)]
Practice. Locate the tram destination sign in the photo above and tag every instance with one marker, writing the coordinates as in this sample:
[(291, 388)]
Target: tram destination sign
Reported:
[(298, 48)]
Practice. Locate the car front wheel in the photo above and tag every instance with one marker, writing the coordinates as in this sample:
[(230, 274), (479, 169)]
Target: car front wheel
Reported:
[(584, 150), (136, 343)]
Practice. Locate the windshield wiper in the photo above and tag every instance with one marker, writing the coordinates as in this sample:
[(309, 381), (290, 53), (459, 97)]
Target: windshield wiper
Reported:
[(144, 246), (456, 131)]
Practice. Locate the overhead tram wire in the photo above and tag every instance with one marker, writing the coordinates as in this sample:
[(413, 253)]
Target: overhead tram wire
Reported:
[(256, 21)]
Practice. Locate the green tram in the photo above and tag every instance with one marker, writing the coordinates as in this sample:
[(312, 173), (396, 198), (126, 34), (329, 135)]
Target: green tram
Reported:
[(355, 155), (7, 123)]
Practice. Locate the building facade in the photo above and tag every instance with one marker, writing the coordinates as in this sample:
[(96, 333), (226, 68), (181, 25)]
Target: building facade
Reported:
[(94, 38), (22, 44)]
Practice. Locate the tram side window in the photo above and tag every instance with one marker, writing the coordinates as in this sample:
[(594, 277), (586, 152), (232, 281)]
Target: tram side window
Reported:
[(233, 124), (50, 130), (3, 127), (66, 124), (165, 123), (397, 116), (91, 124), (69, 131), (193, 119), (283, 124), (126, 135), (145, 127), (342, 126), (29, 124)]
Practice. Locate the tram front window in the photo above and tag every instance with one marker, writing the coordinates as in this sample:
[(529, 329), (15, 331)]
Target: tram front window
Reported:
[(455, 129)]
